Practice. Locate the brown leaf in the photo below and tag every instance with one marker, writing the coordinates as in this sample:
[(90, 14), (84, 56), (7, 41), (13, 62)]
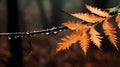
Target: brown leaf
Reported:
[(95, 37), (76, 36), (88, 17), (75, 26), (110, 31), (97, 11), (118, 20), (84, 42), (68, 41), (72, 25)]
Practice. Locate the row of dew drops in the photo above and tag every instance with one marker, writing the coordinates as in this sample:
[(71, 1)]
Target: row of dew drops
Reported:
[(28, 34)]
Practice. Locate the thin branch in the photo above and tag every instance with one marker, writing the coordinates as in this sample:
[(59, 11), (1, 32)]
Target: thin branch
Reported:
[(50, 30)]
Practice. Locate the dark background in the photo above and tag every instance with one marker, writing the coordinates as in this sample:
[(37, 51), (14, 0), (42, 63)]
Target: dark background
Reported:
[(30, 15)]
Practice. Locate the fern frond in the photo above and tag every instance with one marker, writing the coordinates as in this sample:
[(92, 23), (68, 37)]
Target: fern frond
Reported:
[(84, 33), (95, 37), (88, 17), (118, 20), (71, 25), (76, 36), (110, 31), (75, 26), (84, 42), (97, 11), (68, 41)]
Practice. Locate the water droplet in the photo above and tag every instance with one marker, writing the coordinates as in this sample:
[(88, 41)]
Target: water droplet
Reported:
[(42, 33), (60, 30), (9, 38), (47, 33), (55, 32), (22, 36), (15, 37), (18, 36), (34, 31), (27, 33), (53, 27)]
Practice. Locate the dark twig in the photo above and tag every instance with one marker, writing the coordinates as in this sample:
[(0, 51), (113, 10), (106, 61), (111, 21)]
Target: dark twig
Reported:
[(50, 30)]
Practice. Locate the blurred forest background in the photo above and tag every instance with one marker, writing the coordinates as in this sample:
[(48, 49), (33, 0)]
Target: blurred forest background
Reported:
[(30, 15)]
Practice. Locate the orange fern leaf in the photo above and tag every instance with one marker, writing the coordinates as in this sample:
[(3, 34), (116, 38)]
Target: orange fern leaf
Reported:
[(110, 31), (94, 36), (88, 17), (76, 36), (75, 26), (70, 25), (97, 11), (68, 41), (118, 20), (84, 42)]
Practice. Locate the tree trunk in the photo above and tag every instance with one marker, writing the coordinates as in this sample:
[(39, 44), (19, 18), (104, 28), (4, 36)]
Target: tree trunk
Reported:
[(15, 44)]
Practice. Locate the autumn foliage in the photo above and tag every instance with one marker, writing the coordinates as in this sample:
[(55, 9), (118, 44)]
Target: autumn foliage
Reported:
[(84, 33)]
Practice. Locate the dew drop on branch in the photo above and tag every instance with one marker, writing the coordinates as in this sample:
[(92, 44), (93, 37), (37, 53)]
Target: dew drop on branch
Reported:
[(9, 38), (15, 37), (47, 33), (42, 33), (22, 36), (34, 31), (27, 33), (60, 30), (55, 32)]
